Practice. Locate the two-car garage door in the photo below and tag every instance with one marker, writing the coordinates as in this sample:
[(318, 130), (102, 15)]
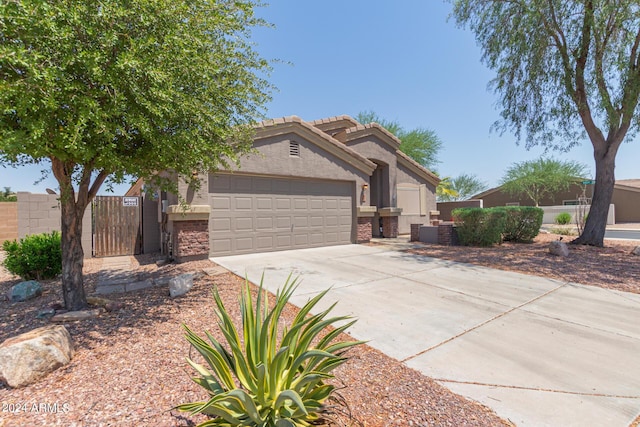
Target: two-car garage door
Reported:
[(261, 214)]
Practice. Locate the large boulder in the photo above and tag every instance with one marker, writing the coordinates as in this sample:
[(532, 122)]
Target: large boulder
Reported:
[(180, 285), (28, 357), (559, 248), (636, 251), (24, 291)]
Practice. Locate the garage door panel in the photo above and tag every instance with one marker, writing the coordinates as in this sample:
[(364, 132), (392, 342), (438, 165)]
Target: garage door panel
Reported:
[(262, 185), (331, 221), (283, 242), (264, 203), (221, 224), (241, 184), (316, 221), (281, 186), (345, 235), (283, 222), (243, 224), (264, 242), (331, 204), (243, 203), (221, 245), (315, 204), (264, 224), (316, 238), (283, 204), (221, 203), (220, 183), (244, 243), (300, 204), (331, 237), (301, 240), (257, 214)]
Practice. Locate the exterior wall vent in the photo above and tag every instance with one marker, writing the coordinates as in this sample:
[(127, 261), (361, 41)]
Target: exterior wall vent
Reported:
[(294, 149)]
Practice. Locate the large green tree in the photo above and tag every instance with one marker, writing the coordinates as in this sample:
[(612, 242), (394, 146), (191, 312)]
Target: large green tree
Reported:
[(565, 70), (463, 186), (537, 179), (421, 144), (104, 90)]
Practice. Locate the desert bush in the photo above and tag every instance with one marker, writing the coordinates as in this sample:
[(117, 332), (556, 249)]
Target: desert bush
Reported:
[(563, 218), (37, 256), (266, 376), (563, 231), (478, 226), (522, 223)]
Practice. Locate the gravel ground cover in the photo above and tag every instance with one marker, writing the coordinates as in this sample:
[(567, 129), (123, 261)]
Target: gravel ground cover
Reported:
[(129, 365)]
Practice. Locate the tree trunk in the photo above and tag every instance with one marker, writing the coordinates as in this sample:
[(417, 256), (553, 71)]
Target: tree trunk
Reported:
[(595, 227), (72, 254)]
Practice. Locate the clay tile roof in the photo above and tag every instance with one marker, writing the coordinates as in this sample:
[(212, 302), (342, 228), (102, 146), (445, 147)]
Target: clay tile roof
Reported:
[(418, 167), (334, 119)]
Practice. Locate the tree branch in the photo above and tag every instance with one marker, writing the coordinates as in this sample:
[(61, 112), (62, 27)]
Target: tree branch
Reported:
[(581, 100), (631, 93), (613, 113)]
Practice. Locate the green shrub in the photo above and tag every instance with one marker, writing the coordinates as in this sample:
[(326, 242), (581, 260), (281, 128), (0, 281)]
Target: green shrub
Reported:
[(37, 256), (563, 231), (563, 218), (522, 223), (478, 226), (280, 374)]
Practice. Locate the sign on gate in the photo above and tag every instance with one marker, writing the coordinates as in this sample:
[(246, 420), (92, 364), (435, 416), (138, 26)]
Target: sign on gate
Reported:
[(130, 201)]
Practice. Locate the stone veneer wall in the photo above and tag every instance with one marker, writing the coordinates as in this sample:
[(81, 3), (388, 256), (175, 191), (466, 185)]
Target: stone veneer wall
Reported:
[(190, 240), (415, 232), (390, 226), (447, 235), (364, 229)]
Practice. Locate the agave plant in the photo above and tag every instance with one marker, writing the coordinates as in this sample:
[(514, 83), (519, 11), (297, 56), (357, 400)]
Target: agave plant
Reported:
[(269, 376)]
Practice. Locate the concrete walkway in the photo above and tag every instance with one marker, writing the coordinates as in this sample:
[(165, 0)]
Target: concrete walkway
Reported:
[(540, 352), (116, 276)]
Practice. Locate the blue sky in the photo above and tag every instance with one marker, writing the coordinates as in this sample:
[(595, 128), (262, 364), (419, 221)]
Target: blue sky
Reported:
[(404, 61)]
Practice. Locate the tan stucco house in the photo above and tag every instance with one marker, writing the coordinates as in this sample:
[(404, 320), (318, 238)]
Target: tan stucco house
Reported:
[(308, 184)]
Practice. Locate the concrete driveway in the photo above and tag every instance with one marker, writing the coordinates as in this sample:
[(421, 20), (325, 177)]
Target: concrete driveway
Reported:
[(540, 352)]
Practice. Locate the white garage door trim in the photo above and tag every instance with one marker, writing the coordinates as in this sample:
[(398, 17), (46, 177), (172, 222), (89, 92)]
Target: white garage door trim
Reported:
[(251, 213)]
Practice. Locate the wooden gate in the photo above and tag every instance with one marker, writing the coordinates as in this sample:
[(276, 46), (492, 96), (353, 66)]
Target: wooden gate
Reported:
[(117, 226)]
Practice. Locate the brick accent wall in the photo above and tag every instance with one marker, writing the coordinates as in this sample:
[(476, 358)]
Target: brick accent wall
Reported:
[(390, 226), (8, 221), (364, 229), (447, 235), (415, 232), (190, 240)]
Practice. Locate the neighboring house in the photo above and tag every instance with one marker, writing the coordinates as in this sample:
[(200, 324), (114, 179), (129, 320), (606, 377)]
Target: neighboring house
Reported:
[(308, 184), (626, 198)]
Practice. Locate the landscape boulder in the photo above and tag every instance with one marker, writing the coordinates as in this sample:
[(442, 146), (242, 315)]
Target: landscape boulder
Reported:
[(24, 291), (559, 249), (74, 316), (180, 285), (636, 250), (28, 357)]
